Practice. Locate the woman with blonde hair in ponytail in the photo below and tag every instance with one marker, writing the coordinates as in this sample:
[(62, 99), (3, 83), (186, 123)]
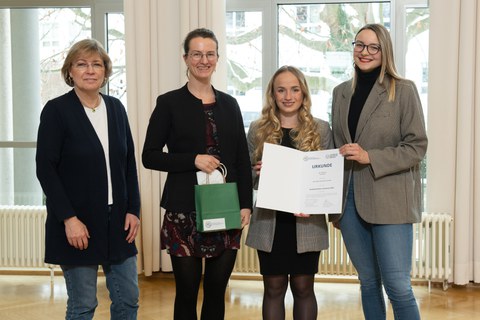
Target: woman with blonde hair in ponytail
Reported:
[(288, 244)]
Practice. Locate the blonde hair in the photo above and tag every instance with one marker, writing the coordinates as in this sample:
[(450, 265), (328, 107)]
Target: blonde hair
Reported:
[(388, 62), (305, 136), (86, 46)]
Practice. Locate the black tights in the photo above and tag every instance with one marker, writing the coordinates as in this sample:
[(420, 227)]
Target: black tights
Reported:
[(188, 273), (304, 301)]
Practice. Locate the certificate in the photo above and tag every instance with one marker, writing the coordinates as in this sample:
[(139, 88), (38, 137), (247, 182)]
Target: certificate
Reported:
[(296, 181)]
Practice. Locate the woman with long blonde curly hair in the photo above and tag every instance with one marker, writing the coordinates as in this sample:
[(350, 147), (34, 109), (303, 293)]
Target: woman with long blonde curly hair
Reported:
[(288, 243), (305, 134)]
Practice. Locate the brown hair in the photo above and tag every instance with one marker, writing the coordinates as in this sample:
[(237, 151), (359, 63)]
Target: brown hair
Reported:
[(200, 32), (86, 46)]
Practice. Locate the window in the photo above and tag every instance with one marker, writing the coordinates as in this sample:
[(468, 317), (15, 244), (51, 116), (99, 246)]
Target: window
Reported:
[(244, 61), (416, 65), (35, 41), (316, 37), (318, 42), (116, 50)]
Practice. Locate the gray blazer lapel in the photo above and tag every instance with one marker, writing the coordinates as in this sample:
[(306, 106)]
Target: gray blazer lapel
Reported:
[(344, 104), (376, 96)]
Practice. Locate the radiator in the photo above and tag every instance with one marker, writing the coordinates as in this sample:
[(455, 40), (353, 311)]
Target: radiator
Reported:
[(22, 239), (431, 257), (22, 236)]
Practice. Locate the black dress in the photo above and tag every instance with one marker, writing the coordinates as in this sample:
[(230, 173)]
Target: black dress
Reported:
[(284, 258)]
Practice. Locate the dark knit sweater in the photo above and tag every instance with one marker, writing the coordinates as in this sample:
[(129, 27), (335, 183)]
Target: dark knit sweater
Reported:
[(365, 82)]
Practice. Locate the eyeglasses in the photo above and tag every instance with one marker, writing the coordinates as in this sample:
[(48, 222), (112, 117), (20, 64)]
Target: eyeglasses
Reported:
[(371, 48), (197, 55), (84, 65)]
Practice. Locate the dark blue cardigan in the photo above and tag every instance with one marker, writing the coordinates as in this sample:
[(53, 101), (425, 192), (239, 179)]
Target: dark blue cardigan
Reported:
[(72, 170)]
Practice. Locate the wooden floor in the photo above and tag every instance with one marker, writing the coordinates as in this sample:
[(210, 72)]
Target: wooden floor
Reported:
[(25, 297)]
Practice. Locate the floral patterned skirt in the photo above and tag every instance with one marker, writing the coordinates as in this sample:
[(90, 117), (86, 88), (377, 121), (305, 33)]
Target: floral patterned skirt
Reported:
[(180, 237)]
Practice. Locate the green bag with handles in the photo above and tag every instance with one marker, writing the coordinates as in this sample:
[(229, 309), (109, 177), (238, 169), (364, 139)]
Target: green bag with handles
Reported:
[(217, 205)]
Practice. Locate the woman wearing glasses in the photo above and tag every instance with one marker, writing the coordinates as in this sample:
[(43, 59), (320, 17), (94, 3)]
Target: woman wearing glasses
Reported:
[(86, 166), (201, 127), (378, 124)]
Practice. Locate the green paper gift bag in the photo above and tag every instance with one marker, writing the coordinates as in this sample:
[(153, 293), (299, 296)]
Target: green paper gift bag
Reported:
[(217, 205)]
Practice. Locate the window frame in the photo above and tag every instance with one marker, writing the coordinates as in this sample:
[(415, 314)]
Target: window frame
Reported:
[(270, 21), (100, 8)]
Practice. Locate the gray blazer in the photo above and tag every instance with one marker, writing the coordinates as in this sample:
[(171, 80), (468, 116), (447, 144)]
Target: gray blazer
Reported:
[(387, 191), (312, 233)]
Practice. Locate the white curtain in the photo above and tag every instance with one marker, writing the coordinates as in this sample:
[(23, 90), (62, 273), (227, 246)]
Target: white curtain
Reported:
[(453, 171), (154, 33)]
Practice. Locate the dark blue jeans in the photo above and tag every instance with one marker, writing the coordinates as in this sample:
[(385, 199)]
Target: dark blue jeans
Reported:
[(381, 254), (122, 284)]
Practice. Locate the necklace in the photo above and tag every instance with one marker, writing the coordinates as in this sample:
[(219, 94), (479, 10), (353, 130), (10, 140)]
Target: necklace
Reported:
[(95, 105)]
